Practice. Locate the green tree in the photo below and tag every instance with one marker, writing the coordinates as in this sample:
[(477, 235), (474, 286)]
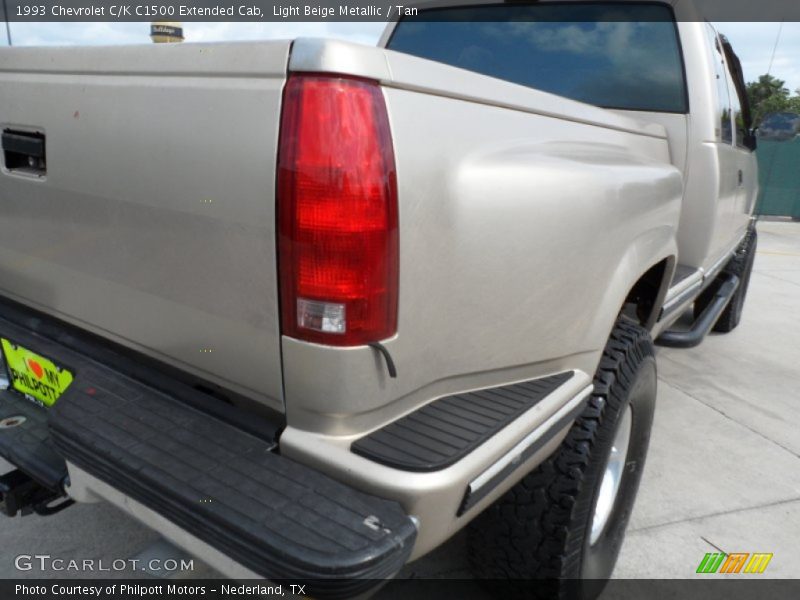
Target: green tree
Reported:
[(767, 95), (794, 102)]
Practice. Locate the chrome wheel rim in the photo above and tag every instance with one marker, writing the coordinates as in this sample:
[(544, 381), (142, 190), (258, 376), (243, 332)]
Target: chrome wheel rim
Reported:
[(612, 476)]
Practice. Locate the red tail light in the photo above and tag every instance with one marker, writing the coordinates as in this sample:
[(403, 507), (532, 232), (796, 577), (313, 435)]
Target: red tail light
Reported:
[(337, 212)]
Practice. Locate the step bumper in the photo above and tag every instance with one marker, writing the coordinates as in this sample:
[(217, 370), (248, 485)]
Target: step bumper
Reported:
[(276, 517), (201, 472)]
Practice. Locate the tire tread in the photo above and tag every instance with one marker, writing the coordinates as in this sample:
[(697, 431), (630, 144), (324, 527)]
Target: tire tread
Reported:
[(533, 531)]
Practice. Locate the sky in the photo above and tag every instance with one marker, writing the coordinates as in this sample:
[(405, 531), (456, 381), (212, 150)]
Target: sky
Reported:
[(753, 42)]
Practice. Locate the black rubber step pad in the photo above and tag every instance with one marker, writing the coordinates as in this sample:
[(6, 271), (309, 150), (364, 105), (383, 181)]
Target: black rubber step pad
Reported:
[(444, 431), (25, 441), (283, 520)]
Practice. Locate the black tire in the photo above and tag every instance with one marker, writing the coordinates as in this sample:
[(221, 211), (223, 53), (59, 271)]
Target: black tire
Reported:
[(741, 265), (540, 529)]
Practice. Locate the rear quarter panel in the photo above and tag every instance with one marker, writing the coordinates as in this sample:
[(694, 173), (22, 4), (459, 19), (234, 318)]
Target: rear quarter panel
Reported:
[(524, 221), (521, 232)]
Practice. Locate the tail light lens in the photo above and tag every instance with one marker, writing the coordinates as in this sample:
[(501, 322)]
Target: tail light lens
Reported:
[(337, 212)]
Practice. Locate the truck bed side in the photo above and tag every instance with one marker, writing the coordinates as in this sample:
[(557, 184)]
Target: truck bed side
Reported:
[(154, 222)]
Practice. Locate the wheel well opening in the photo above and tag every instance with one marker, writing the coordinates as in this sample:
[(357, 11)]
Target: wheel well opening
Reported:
[(644, 300)]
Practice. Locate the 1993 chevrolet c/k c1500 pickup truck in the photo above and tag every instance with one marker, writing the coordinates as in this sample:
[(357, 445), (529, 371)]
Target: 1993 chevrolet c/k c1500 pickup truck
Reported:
[(308, 308)]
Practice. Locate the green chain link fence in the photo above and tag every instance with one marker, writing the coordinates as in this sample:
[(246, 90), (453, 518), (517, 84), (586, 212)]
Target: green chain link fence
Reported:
[(779, 177)]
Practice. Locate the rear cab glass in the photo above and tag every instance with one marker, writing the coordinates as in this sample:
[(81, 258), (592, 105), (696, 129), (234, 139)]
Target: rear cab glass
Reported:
[(613, 55), (725, 133)]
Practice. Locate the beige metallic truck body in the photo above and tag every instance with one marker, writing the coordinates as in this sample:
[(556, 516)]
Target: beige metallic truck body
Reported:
[(525, 222)]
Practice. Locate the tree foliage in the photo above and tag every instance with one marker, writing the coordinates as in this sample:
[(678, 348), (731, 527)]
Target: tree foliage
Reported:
[(769, 95)]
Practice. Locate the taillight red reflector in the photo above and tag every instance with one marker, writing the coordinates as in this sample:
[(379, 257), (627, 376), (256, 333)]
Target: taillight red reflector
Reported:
[(337, 212)]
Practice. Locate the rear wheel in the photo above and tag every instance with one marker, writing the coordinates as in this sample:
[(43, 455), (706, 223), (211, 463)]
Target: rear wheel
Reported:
[(566, 520), (741, 265)]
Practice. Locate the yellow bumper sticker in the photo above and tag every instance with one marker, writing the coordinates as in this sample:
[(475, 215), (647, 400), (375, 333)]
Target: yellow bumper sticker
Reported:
[(35, 375)]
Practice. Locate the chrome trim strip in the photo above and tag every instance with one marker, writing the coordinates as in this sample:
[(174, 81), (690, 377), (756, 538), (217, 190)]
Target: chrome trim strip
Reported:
[(684, 284), (485, 482), (685, 290), (714, 270), (682, 298)]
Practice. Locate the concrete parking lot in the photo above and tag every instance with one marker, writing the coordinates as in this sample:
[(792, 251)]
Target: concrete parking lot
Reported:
[(723, 473)]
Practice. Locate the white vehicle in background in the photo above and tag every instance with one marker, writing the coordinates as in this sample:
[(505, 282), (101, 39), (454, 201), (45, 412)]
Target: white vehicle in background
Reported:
[(309, 308)]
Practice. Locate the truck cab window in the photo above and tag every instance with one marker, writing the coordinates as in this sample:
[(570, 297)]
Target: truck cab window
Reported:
[(740, 106), (613, 55), (725, 133), (737, 116)]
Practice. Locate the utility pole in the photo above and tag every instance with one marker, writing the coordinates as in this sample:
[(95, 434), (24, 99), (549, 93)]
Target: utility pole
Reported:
[(8, 25), (774, 48)]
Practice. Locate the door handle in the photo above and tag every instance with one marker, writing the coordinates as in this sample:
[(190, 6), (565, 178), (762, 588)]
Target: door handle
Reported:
[(741, 178), (24, 151)]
